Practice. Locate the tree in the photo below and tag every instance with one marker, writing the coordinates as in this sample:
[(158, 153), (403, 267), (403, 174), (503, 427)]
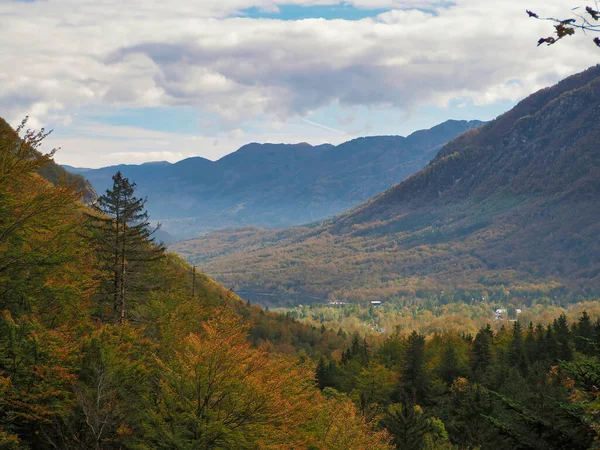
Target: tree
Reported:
[(413, 374), (40, 258), (216, 391), (563, 337), (464, 411), (482, 349), (516, 350), (411, 429), (585, 21), (449, 369), (322, 374), (584, 335), (125, 238)]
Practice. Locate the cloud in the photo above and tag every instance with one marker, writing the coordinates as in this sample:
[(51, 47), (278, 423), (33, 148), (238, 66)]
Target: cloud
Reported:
[(90, 144), (66, 56)]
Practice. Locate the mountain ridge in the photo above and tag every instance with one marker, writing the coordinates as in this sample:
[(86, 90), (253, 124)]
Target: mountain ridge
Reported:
[(511, 203), (276, 185)]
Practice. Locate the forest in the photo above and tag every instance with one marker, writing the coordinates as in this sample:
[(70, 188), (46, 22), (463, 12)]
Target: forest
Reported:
[(525, 387), (107, 341), (106, 344)]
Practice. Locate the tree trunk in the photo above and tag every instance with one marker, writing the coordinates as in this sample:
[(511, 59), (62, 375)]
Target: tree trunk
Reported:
[(116, 269), (122, 312)]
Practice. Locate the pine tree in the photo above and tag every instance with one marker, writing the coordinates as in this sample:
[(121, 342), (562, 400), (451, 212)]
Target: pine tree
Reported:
[(482, 352), (563, 337), (322, 374), (411, 429), (596, 334), (531, 344), (125, 238), (584, 335), (449, 369), (413, 374), (516, 351), (550, 345)]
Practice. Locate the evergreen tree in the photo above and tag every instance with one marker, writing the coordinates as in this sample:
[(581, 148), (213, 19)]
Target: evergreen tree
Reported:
[(596, 334), (412, 430), (516, 352), (414, 378), (550, 345), (584, 335), (531, 344), (482, 349), (449, 369), (563, 338), (125, 239), (322, 374)]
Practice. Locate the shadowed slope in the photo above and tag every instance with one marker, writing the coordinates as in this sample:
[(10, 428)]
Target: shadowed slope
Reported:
[(514, 202)]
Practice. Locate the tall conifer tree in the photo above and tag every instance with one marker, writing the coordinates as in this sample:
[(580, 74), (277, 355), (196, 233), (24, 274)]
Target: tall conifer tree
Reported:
[(125, 238)]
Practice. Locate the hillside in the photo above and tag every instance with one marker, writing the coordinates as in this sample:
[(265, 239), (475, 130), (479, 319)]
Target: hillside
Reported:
[(276, 185), (513, 203), (54, 172), (172, 361)]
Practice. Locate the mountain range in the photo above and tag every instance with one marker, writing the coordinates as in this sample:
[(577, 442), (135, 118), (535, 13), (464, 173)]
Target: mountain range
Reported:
[(276, 185), (514, 203)]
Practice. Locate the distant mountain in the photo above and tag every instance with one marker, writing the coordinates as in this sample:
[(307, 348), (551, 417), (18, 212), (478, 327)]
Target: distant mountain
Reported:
[(512, 204), (276, 185), (55, 173)]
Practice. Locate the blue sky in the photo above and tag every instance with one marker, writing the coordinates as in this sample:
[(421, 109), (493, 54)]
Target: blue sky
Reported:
[(299, 12), (156, 81), (358, 120)]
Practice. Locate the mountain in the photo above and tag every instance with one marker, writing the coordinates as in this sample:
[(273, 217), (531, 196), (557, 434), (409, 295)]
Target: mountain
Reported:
[(512, 204), (276, 185), (54, 172)]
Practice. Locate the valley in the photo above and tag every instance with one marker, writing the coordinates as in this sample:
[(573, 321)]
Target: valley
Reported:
[(512, 205), (299, 225)]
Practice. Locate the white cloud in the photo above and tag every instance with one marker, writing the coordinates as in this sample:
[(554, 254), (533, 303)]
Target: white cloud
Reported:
[(95, 145), (68, 55)]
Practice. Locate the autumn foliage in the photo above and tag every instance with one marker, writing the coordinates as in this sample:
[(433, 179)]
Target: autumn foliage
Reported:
[(179, 368)]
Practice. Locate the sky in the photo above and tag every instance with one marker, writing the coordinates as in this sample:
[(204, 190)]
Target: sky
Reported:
[(147, 80)]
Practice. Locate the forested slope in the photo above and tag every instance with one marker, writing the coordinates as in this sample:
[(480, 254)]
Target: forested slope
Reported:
[(513, 203), (180, 367), (54, 172), (172, 360)]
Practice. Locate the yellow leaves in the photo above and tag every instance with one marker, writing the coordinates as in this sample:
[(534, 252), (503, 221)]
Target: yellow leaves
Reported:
[(124, 430), (9, 441), (338, 426), (216, 388), (461, 385)]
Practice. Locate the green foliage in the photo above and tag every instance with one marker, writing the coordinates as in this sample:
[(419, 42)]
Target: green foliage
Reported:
[(414, 378), (124, 241), (412, 430), (181, 369), (192, 366), (486, 392)]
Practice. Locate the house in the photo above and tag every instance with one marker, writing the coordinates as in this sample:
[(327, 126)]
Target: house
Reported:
[(500, 313), (376, 303), (336, 303)]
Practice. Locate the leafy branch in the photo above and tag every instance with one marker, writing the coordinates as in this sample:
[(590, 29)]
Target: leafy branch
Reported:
[(586, 22)]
